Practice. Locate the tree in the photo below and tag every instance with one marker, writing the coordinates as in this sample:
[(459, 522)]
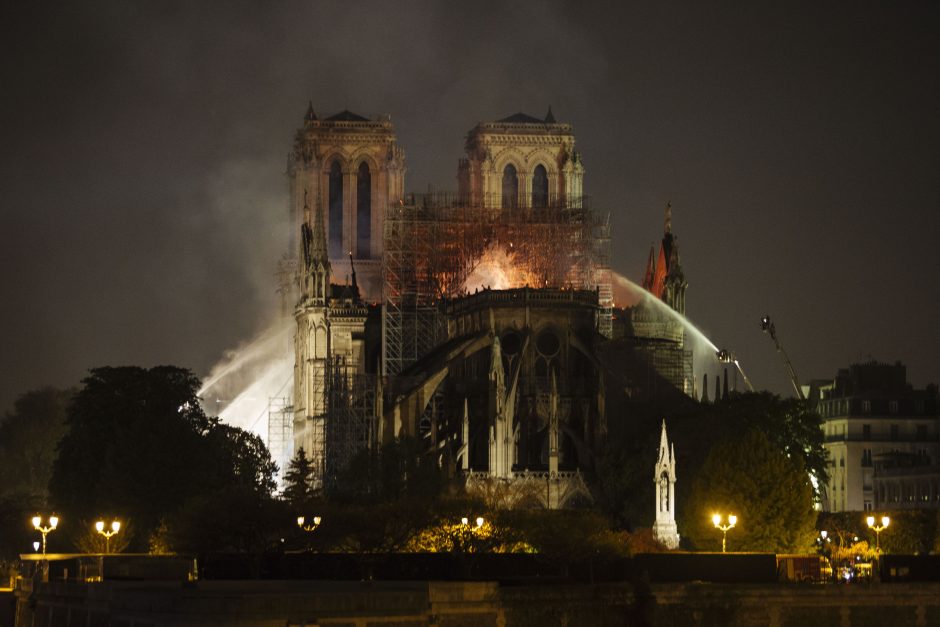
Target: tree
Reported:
[(297, 487), (16, 530), (768, 491), (788, 423), (241, 457), (624, 466), (138, 445), (236, 518), (133, 445), (28, 439), (401, 469)]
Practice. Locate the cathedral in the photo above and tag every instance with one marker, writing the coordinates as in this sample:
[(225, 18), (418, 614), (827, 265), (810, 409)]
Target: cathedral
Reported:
[(479, 321)]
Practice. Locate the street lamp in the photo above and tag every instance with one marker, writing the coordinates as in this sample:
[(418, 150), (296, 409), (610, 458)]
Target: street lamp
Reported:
[(732, 520), (885, 521), (44, 529), (466, 521), (115, 527), (307, 526)]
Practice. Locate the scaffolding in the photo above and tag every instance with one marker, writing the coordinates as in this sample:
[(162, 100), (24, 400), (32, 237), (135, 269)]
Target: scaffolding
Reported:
[(280, 433), (434, 242), (351, 422)]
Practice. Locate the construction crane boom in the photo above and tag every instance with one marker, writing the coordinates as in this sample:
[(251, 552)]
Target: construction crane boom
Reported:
[(767, 326)]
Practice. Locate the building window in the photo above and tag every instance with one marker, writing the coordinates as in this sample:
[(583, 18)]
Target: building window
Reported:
[(539, 187), (866, 407), (867, 506), (866, 457), (895, 431), (921, 432), (363, 212), (841, 462), (892, 407), (336, 210), (510, 187), (866, 432)]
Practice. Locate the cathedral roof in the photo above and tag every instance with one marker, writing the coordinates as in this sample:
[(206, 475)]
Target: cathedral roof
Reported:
[(524, 118), (347, 116)]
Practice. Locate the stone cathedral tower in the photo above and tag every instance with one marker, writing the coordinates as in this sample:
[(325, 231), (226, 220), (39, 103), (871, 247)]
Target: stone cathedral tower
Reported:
[(521, 161), (329, 341), (664, 477), (354, 168)]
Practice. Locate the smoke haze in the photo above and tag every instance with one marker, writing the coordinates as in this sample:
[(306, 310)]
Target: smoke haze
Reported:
[(145, 202)]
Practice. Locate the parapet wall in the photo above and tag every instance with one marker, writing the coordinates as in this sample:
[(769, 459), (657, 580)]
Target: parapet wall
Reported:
[(367, 603)]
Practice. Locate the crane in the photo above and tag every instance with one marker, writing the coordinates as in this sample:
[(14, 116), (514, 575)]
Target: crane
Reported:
[(767, 326)]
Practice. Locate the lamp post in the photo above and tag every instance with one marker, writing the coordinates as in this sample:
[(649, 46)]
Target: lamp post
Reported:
[(885, 521), (301, 522), (44, 529), (732, 520), (100, 528)]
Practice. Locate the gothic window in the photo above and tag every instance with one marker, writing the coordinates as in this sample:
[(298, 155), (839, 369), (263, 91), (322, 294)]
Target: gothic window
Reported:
[(539, 187), (363, 212), (336, 210), (510, 187), (664, 492)]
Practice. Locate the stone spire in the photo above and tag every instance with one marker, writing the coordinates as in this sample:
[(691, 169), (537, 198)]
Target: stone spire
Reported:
[(311, 115), (664, 479), (500, 461), (464, 452), (316, 259), (553, 428), (355, 285)]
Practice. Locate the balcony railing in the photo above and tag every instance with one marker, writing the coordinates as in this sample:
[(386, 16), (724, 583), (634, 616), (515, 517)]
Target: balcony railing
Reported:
[(887, 438), (435, 200)]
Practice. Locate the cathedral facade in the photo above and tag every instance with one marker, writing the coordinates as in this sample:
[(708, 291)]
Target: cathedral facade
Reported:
[(473, 321)]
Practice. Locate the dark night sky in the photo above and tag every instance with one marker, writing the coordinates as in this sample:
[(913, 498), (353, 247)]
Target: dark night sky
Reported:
[(144, 145)]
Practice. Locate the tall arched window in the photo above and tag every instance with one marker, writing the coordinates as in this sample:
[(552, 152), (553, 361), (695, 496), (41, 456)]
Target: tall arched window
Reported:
[(539, 187), (363, 212), (510, 186), (336, 210)]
